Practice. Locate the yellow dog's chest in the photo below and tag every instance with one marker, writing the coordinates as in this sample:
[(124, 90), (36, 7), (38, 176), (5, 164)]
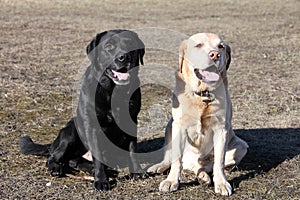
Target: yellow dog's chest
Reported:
[(198, 118)]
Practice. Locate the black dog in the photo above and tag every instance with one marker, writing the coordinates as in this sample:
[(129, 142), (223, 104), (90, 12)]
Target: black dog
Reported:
[(106, 121)]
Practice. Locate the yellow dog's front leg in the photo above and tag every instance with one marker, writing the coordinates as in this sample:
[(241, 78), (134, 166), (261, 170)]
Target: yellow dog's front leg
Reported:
[(220, 147), (171, 183)]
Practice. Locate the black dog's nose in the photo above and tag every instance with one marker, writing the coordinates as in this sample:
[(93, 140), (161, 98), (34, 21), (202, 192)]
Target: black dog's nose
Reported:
[(123, 58)]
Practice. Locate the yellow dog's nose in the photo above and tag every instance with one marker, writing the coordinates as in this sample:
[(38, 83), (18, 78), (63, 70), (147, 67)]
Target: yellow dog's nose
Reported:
[(214, 55)]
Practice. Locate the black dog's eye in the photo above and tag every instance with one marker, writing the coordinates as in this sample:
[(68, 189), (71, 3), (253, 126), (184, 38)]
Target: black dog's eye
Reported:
[(109, 46), (199, 45), (221, 46)]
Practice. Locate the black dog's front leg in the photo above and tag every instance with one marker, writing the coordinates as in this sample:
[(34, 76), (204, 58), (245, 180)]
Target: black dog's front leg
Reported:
[(101, 181), (134, 167)]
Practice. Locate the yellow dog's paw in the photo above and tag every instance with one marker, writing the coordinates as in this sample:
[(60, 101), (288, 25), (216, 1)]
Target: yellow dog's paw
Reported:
[(223, 188), (168, 186), (158, 168)]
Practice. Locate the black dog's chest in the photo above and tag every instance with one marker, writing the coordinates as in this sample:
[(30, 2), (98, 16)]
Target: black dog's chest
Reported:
[(117, 116), (114, 109)]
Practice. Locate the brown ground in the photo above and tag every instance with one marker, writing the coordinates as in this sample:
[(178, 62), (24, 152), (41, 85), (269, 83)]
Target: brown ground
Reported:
[(43, 45)]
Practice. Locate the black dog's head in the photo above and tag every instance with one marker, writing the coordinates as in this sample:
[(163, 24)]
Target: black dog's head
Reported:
[(115, 53)]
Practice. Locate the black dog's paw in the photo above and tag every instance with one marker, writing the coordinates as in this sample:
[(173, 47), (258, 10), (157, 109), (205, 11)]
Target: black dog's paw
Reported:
[(101, 185), (139, 175), (82, 165), (55, 169)]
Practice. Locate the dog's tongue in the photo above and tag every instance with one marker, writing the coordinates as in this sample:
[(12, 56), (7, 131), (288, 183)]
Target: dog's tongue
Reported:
[(210, 76), (120, 76)]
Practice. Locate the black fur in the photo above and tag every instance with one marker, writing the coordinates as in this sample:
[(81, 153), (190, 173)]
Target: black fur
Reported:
[(28, 147), (98, 90)]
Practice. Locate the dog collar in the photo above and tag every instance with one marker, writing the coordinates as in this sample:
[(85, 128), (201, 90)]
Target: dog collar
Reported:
[(209, 97)]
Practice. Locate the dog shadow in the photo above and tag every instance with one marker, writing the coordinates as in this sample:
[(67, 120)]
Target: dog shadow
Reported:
[(268, 148)]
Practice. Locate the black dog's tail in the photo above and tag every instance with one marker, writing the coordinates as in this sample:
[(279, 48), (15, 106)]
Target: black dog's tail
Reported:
[(28, 147)]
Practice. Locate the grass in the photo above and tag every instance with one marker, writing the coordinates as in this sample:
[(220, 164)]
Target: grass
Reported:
[(41, 52)]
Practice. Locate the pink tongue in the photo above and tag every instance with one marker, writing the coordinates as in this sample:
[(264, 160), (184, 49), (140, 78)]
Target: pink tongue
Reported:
[(210, 76), (121, 76)]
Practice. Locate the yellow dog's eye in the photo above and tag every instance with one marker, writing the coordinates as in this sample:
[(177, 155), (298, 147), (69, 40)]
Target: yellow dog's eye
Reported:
[(199, 45), (221, 46)]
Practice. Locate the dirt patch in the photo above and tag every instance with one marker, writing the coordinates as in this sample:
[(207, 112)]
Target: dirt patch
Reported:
[(43, 46)]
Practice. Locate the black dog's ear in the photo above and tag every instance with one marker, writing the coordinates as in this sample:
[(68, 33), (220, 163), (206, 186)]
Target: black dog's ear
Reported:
[(141, 50), (141, 55), (228, 55), (91, 49)]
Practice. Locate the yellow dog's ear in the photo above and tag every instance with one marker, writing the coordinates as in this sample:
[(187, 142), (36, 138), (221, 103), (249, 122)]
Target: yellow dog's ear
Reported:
[(228, 55), (182, 50)]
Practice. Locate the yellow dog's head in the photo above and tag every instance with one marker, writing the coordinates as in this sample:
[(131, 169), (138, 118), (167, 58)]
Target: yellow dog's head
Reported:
[(203, 61)]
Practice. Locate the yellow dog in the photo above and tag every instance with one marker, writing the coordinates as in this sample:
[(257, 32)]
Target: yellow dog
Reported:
[(199, 135)]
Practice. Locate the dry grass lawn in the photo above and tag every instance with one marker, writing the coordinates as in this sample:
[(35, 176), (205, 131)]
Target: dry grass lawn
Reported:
[(42, 49)]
